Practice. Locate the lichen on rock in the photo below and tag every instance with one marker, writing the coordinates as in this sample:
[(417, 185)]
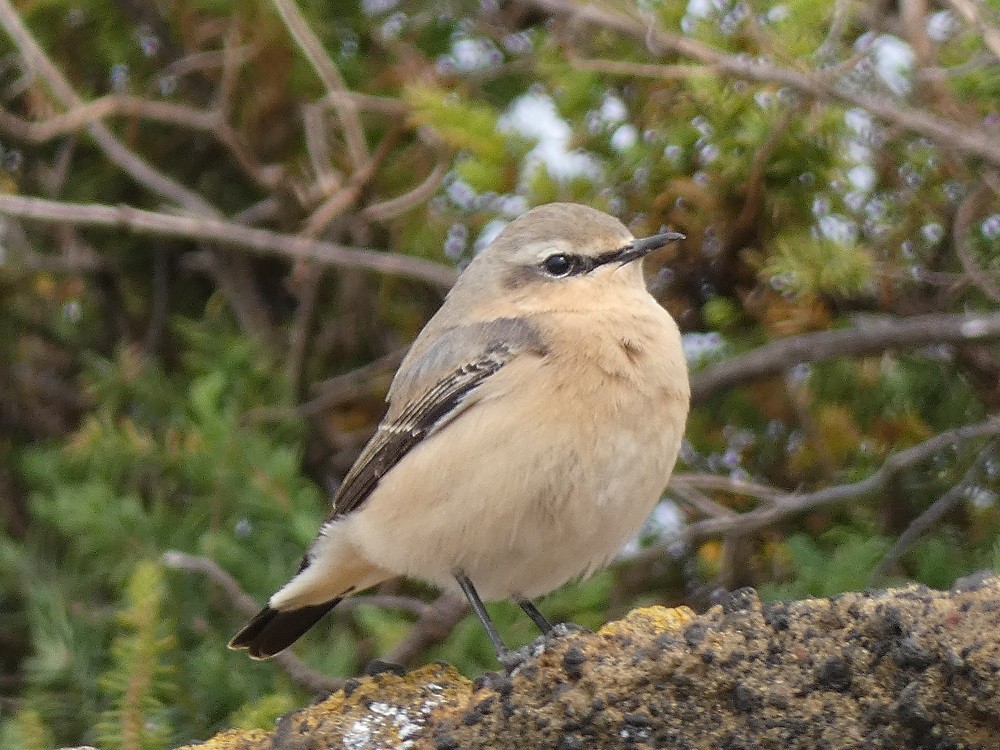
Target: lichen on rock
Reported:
[(909, 668)]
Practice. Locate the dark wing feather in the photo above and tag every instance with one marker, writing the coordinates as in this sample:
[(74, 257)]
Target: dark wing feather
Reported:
[(428, 392), (438, 385), (395, 438)]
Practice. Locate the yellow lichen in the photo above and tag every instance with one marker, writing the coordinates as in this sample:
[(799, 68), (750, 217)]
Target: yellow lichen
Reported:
[(650, 619), (235, 739)]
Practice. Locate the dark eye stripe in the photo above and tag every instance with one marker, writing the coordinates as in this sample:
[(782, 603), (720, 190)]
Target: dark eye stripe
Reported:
[(561, 265)]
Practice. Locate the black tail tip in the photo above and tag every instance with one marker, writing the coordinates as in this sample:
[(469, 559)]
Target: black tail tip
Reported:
[(271, 631)]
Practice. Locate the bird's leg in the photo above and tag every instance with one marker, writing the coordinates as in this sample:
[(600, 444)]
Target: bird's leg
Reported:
[(536, 617), (549, 629), (505, 656)]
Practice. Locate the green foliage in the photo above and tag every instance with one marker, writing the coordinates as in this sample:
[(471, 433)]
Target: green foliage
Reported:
[(461, 123), (840, 560), (164, 461), (26, 731), (812, 267), (137, 685)]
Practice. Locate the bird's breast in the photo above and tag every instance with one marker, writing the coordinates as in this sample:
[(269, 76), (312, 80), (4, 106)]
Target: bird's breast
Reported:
[(556, 464)]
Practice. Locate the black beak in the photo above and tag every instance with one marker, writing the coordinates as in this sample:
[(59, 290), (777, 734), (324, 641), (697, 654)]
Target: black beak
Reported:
[(638, 248)]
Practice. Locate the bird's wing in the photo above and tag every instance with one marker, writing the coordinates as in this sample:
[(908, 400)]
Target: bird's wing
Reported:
[(431, 391)]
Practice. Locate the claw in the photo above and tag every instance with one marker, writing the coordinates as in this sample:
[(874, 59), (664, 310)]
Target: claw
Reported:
[(566, 628)]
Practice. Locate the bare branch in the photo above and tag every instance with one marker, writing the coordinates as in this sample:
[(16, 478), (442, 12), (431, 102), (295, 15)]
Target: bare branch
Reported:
[(422, 192), (345, 197), (315, 129), (965, 139), (786, 504), (435, 621), (960, 240), (434, 625), (130, 162), (168, 112), (699, 501), (261, 241), (725, 484), (354, 134), (969, 10), (778, 356), (932, 515), (294, 667), (383, 105), (636, 70)]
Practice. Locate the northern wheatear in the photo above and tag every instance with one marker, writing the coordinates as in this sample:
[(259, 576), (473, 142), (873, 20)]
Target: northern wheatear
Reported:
[(531, 428)]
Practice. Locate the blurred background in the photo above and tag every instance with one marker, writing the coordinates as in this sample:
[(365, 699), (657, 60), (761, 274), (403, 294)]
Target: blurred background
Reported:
[(221, 223)]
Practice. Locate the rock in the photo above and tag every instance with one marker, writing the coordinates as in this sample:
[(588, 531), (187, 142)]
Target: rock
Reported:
[(909, 668)]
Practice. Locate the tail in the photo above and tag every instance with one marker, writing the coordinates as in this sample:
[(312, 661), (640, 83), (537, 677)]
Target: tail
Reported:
[(332, 570), (272, 630)]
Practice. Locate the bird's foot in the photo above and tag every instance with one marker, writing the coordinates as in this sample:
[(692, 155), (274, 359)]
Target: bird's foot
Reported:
[(511, 659), (562, 629)]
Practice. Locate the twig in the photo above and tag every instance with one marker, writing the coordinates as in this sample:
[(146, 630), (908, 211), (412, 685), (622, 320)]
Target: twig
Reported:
[(315, 129), (960, 240), (970, 12), (394, 206), (130, 162), (786, 504), (725, 484), (968, 140), (780, 355), (932, 515), (434, 625), (383, 105), (305, 315), (126, 159), (344, 198), (636, 70), (261, 241), (243, 602), (299, 672), (354, 133), (827, 51), (208, 121), (435, 621), (699, 501), (754, 189)]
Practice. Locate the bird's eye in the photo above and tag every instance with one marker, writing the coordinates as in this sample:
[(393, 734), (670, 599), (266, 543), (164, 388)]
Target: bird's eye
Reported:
[(558, 265)]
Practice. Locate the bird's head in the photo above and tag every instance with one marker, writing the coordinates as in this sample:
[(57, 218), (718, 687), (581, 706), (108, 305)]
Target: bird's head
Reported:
[(557, 249)]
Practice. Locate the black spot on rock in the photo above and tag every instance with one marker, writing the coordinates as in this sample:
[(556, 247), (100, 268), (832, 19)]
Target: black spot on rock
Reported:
[(638, 720), (834, 674), (695, 633), (912, 712), (745, 699), (665, 641), (486, 705), (444, 741), (573, 659), (350, 686), (776, 615), (503, 685), (377, 666), (741, 600), (909, 654)]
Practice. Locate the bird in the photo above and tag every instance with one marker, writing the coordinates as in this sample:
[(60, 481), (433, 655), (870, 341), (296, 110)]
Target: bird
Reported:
[(531, 428)]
